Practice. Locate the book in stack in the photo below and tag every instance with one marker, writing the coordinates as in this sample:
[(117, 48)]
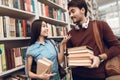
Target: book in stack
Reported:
[(44, 65), (80, 56)]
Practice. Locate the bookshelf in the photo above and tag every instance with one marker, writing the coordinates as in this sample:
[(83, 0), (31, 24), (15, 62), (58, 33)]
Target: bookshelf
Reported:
[(12, 70), (53, 21), (11, 42), (29, 15), (13, 12), (53, 4), (55, 14)]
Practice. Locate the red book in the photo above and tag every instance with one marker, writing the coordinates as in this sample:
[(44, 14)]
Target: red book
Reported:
[(24, 28)]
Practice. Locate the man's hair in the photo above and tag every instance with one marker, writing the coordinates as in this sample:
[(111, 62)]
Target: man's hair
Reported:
[(78, 3)]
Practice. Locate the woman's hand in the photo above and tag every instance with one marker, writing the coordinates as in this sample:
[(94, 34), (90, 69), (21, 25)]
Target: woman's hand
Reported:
[(46, 76), (66, 38)]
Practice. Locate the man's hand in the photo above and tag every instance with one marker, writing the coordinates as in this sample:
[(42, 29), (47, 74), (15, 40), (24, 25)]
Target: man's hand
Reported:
[(95, 62)]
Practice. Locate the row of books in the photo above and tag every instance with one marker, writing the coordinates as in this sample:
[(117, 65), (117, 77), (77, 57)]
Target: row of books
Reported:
[(48, 11), (27, 5), (54, 31), (11, 27), (62, 3), (80, 56), (11, 58)]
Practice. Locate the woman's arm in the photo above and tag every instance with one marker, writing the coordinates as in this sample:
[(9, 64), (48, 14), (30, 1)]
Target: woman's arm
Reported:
[(28, 66), (44, 75), (63, 48)]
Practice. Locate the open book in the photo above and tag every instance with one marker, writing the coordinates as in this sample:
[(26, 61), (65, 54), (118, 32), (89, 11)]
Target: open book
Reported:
[(44, 65)]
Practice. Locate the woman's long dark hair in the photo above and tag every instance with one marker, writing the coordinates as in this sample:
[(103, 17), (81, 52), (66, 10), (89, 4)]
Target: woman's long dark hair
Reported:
[(35, 30)]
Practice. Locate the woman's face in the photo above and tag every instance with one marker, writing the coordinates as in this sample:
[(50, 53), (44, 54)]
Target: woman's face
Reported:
[(44, 29)]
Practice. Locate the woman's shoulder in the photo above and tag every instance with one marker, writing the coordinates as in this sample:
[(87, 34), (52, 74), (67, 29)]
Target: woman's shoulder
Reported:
[(34, 46)]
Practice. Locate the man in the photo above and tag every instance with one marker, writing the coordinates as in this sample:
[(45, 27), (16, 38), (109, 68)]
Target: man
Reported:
[(83, 35)]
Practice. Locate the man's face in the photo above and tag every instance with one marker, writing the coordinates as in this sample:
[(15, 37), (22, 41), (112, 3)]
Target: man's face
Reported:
[(76, 14)]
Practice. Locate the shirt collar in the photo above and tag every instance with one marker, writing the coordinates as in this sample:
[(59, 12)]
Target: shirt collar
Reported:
[(85, 25), (40, 42)]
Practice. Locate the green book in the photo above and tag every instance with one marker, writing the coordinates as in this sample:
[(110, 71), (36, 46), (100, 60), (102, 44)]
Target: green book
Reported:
[(2, 50)]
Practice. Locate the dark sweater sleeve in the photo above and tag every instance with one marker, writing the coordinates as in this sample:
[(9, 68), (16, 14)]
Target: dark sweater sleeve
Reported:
[(111, 41), (69, 43)]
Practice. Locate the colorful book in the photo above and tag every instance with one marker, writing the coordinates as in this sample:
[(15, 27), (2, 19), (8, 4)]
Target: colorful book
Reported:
[(2, 49)]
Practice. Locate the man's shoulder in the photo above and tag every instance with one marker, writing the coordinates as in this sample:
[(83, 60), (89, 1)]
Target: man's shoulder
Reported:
[(101, 23), (98, 21)]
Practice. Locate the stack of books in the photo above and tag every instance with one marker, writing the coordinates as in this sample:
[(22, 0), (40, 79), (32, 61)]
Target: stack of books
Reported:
[(44, 66), (80, 56)]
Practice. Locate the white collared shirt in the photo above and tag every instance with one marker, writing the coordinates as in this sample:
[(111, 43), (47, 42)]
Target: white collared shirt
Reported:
[(85, 25)]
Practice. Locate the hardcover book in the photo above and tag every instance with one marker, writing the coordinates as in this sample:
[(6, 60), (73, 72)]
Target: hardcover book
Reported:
[(44, 66), (80, 56)]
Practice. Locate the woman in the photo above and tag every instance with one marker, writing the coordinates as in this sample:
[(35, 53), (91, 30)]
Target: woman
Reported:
[(41, 47)]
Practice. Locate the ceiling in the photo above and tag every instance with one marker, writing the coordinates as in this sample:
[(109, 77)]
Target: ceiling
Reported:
[(104, 2)]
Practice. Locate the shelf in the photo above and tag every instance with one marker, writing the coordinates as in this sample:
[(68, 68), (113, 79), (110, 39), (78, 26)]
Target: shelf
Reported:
[(52, 4), (16, 38), (16, 13), (11, 70), (57, 38), (53, 21)]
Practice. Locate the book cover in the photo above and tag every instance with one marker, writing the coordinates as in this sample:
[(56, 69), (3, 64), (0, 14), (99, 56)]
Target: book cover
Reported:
[(17, 57), (81, 55), (1, 27), (12, 27), (2, 48), (44, 65), (79, 48), (0, 61), (79, 64), (80, 61)]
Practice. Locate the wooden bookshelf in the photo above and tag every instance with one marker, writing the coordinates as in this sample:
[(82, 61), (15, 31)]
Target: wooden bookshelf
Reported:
[(11, 71), (16, 13), (53, 21), (52, 4), (15, 42), (16, 38)]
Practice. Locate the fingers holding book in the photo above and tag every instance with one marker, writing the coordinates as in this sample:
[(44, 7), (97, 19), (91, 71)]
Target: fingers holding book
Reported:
[(45, 75)]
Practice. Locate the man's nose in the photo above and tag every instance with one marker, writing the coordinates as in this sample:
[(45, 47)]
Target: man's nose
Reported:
[(71, 15)]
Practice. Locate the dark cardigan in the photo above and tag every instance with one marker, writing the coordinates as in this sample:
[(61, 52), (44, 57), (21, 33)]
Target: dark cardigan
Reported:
[(84, 36)]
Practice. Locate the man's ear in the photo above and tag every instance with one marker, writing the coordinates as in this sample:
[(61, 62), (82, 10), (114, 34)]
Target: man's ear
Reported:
[(83, 10)]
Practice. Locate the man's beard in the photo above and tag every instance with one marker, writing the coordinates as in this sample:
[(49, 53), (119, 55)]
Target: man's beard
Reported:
[(77, 22), (77, 25)]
